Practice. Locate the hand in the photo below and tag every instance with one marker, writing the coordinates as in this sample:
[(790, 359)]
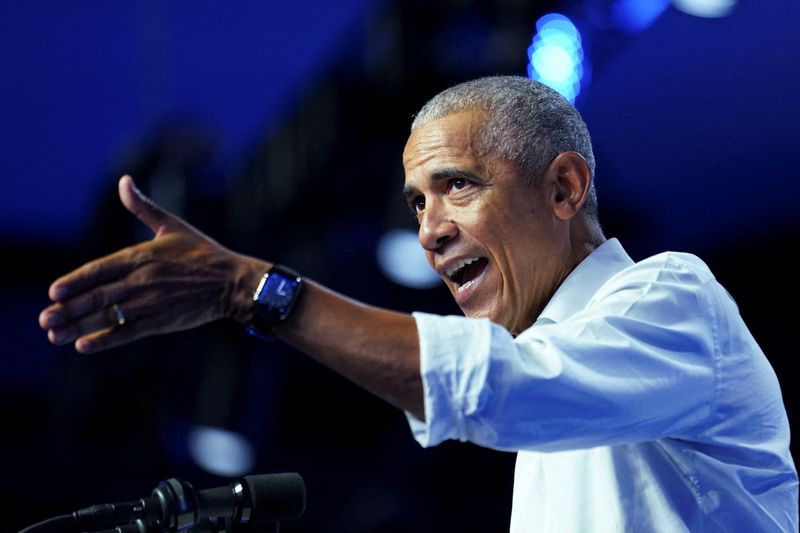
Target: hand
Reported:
[(179, 280)]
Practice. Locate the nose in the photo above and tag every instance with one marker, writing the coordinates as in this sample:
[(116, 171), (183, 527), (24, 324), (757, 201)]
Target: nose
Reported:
[(436, 227)]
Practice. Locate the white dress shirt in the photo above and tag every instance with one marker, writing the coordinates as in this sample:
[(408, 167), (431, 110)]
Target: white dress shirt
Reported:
[(638, 401)]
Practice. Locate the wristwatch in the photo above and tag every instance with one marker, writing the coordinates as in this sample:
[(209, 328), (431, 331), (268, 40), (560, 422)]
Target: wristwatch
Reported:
[(273, 300)]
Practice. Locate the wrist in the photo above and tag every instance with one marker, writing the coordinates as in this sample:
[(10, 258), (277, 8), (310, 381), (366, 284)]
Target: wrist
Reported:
[(273, 301), (247, 276)]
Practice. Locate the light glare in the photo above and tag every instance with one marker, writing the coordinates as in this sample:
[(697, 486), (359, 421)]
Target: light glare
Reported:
[(556, 57), (635, 16), (705, 8), (555, 61), (221, 452), (403, 261)]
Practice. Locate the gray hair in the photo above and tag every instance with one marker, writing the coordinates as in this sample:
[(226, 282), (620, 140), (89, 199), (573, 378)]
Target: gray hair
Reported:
[(527, 122)]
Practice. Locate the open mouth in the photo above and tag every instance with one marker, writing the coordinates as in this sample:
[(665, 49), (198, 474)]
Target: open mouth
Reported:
[(466, 271)]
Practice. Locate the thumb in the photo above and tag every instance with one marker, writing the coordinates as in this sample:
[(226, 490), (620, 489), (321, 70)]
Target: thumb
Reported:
[(157, 219)]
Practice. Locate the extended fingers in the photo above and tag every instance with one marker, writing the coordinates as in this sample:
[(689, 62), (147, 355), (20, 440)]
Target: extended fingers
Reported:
[(86, 303), (93, 274), (104, 328), (104, 339), (95, 322), (110, 317)]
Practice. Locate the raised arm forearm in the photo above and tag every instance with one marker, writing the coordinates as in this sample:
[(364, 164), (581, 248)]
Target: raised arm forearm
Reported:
[(182, 279), (375, 348)]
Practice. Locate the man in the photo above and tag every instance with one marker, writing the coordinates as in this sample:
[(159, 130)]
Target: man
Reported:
[(633, 392)]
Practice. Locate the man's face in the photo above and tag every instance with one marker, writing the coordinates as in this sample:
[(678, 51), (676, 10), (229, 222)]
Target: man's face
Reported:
[(490, 236)]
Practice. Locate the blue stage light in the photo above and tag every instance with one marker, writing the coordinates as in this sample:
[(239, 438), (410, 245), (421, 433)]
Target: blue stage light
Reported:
[(706, 8), (634, 16), (558, 23), (556, 56), (221, 452), (402, 260)]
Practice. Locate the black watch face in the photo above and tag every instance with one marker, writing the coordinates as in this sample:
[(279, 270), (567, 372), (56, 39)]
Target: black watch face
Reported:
[(279, 292)]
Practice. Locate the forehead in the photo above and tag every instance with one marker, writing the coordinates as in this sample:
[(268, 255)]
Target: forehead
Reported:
[(453, 140)]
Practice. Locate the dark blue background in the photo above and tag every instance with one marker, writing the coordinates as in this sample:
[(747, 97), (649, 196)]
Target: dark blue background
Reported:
[(278, 128)]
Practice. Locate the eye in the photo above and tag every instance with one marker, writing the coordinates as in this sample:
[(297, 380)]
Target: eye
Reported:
[(418, 204), (456, 184)]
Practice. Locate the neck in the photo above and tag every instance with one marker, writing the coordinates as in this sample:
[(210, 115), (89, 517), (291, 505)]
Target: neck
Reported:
[(585, 235)]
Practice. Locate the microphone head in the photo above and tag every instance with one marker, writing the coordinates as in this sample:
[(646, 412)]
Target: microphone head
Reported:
[(276, 497)]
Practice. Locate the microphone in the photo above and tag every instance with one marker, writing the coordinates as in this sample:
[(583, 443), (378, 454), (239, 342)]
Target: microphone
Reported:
[(175, 505)]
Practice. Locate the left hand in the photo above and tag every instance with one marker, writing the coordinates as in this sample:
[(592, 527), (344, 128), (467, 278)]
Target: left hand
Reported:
[(178, 280)]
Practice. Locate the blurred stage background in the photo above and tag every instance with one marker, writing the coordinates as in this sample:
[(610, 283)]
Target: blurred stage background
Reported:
[(278, 128)]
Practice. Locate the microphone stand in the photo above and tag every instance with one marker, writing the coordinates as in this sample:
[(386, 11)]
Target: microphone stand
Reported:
[(175, 506), (216, 525), (209, 525)]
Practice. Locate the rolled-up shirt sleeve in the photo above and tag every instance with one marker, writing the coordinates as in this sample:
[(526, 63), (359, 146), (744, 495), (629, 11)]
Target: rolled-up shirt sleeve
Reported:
[(638, 362), (454, 385)]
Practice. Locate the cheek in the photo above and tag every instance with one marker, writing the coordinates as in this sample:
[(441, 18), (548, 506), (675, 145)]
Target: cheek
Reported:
[(511, 251)]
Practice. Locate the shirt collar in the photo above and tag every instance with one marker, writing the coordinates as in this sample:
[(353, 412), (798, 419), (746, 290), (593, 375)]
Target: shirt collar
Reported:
[(584, 281)]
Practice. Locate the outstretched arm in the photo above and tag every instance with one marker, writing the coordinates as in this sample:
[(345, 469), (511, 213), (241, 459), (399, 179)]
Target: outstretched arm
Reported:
[(182, 279)]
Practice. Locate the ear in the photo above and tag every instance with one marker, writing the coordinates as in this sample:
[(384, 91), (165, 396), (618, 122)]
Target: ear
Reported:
[(571, 180)]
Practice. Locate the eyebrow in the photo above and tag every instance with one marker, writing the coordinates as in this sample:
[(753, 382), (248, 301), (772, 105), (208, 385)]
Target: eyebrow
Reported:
[(443, 174)]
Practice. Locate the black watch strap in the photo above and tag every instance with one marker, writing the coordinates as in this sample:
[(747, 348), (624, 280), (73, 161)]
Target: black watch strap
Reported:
[(273, 300)]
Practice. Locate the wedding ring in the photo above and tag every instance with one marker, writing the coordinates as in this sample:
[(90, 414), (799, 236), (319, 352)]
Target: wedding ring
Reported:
[(119, 314)]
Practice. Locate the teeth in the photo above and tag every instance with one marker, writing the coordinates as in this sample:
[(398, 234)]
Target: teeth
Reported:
[(458, 265)]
